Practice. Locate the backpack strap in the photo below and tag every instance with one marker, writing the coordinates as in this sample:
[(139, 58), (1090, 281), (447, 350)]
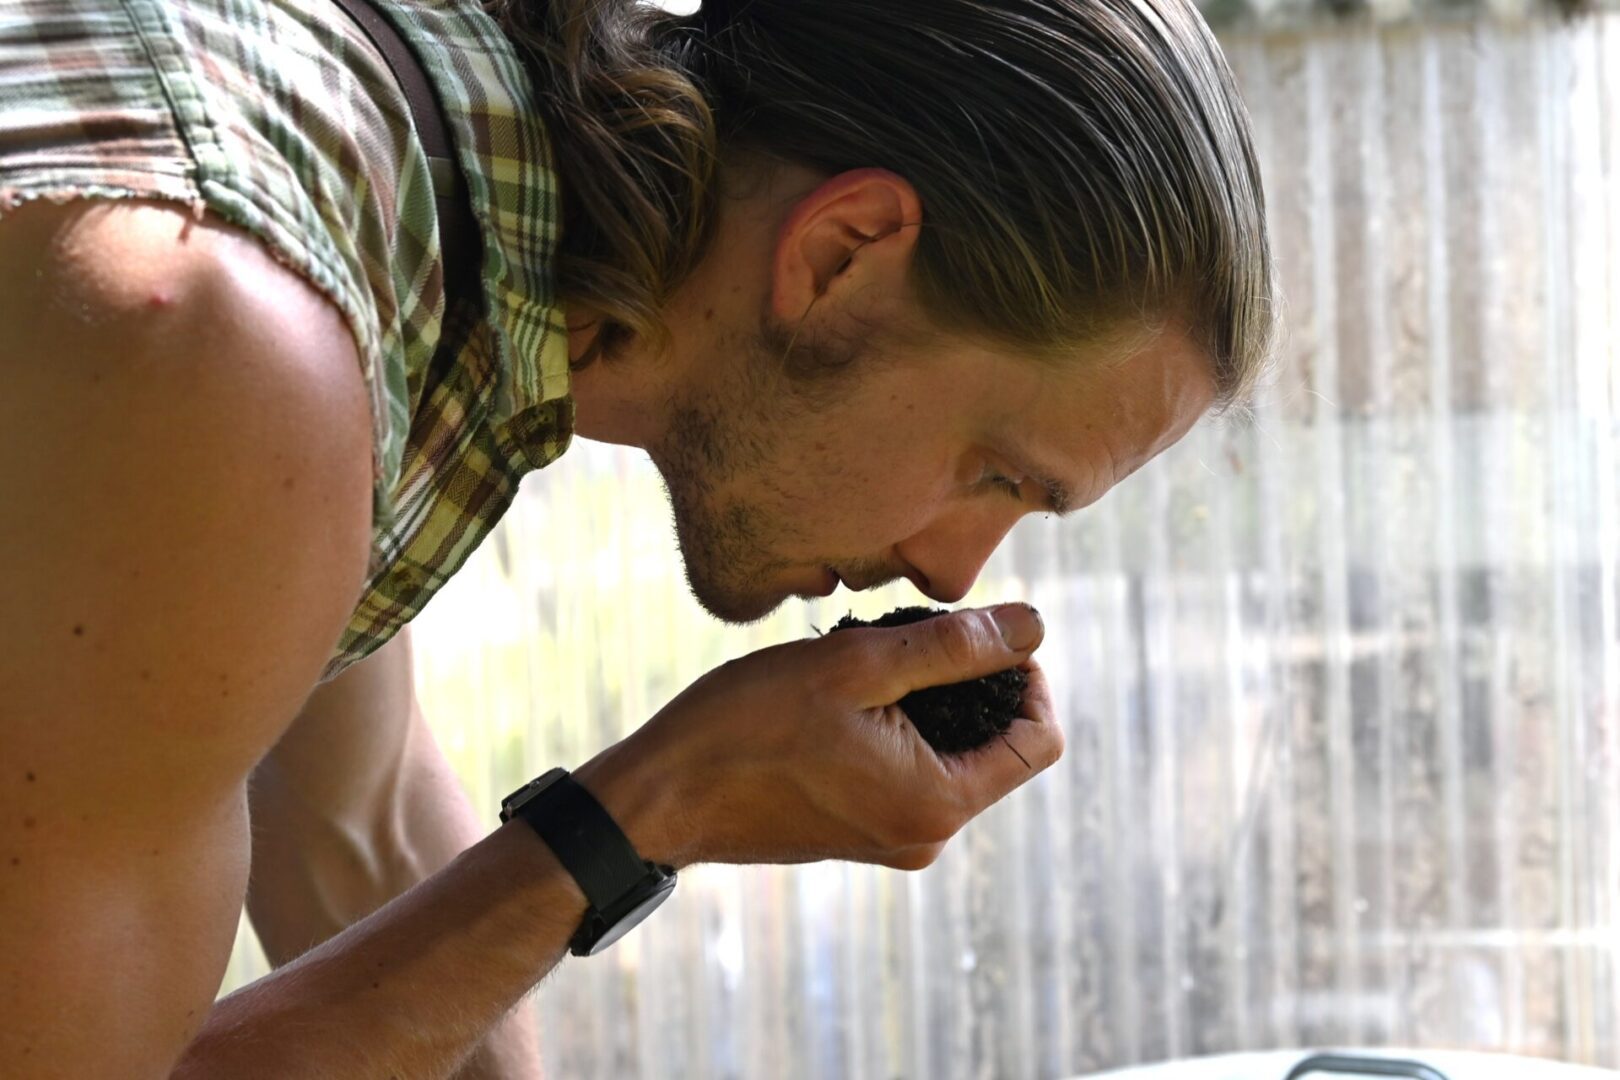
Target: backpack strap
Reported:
[(459, 245)]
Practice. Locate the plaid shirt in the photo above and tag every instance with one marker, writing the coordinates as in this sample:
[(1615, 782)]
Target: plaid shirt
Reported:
[(281, 117)]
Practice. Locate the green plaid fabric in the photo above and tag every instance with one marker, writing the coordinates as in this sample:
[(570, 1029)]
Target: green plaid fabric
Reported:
[(281, 117)]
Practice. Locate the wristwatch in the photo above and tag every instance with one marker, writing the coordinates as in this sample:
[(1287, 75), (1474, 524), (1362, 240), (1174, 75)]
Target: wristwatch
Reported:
[(621, 887)]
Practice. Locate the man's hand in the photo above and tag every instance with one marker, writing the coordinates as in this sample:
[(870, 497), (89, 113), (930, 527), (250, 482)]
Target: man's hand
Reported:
[(796, 753)]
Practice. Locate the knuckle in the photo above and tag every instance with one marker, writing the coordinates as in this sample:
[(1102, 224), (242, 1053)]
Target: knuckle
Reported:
[(958, 638), (766, 667), (914, 859), (730, 670), (720, 678), (936, 824), (919, 824)]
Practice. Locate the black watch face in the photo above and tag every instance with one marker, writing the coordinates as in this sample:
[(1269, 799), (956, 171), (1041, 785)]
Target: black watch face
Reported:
[(633, 917)]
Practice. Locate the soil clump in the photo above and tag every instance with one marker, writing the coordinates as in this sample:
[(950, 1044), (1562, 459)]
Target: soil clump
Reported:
[(960, 716)]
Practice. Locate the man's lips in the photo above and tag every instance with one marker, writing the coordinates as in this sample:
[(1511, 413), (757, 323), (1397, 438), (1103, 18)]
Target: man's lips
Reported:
[(825, 585), (864, 577), (831, 579)]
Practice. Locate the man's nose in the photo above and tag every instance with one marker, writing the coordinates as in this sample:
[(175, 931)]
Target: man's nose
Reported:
[(946, 558)]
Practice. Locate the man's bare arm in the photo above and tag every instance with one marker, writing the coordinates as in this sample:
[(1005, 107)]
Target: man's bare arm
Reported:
[(184, 525), (185, 473), (353, 806)]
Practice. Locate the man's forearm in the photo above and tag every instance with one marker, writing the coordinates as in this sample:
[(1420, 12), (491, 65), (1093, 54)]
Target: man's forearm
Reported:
[(319, 868), (409, 991)]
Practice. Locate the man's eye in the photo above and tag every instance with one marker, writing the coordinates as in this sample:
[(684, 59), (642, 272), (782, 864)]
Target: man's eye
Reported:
[(1003, 483)]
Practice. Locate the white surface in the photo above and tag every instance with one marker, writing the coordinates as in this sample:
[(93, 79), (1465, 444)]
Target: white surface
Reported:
[(1274, 1065)]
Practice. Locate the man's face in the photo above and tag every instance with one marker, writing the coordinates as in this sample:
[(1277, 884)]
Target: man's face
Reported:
[(781, 488)]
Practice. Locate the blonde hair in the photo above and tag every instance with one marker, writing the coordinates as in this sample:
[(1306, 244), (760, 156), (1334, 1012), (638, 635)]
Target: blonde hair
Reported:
[(1082, 164)]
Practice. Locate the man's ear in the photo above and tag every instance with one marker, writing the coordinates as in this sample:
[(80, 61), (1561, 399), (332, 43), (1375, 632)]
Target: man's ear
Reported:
[(859, 227)]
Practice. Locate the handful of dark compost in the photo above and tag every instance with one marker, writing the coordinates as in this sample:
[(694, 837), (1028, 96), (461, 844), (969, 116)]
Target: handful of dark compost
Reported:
[(960, 716)]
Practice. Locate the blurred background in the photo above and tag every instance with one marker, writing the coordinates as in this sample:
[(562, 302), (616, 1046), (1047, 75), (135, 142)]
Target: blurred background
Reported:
[(1341, 683)]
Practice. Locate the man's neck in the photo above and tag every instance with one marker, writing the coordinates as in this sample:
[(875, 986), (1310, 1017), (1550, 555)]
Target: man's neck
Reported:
[(618, 399)]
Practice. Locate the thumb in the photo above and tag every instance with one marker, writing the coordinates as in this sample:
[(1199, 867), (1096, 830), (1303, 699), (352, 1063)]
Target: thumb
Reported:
[(947, 649)]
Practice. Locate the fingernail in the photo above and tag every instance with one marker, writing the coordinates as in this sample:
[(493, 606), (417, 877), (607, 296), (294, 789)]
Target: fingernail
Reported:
[(1020, 625)]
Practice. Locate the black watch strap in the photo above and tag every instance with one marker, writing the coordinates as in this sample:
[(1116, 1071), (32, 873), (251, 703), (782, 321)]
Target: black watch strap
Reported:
[(586, 840)]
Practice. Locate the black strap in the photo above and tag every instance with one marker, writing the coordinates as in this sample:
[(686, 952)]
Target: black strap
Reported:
[(459, 245), (587, 841)]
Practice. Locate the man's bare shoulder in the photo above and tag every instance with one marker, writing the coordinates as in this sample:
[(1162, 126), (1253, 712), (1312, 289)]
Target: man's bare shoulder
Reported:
[(170, 372), (109, 266), (185, 470)]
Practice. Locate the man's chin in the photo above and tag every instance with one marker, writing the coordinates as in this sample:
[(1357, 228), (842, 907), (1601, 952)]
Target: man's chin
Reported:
[(733, 606)]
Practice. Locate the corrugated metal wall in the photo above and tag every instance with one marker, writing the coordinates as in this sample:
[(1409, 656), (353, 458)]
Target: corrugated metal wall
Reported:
[(1342, 685)]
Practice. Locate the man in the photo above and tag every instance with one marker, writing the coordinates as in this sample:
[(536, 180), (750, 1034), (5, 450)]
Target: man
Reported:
[(864, 315)]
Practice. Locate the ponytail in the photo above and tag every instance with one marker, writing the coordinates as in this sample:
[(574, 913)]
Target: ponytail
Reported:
[(635, 151)]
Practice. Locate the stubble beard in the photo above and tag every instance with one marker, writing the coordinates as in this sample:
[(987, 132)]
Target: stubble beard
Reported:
[(722, 544), (731, 548), (728, 547)]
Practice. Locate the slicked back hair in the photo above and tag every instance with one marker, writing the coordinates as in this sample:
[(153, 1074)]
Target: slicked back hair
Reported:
[(1084, 165)]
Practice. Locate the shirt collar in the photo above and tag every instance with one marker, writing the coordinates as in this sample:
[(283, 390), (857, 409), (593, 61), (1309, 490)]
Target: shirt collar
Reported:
[(505, 156)]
